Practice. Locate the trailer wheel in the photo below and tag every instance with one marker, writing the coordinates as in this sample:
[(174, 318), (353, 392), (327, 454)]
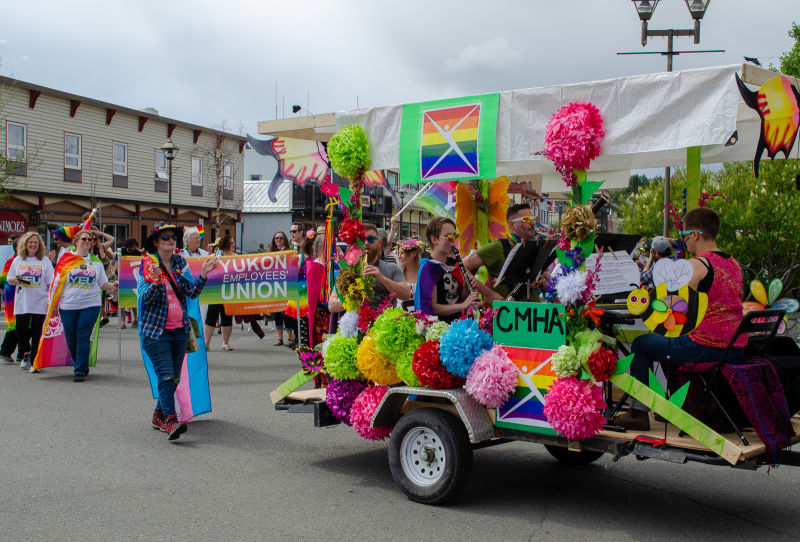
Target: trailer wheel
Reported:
[(574, 459), (430, 455)]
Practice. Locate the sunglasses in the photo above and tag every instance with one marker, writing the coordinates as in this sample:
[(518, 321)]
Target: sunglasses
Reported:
[(84, 239), (94, 238), (525, 219), (451, 236), (169, 237), (279, 238), (371, 239), (688, 232), (294, 231)]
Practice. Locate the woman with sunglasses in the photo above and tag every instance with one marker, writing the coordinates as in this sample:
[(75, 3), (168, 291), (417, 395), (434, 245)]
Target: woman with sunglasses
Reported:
[(280, 242), (718, 275), (80, 303), (164, 319), (101, 243), (410, 252), (225, 247)]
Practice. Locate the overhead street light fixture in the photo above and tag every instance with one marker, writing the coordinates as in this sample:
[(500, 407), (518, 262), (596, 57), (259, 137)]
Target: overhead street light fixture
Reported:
[(170, 151)]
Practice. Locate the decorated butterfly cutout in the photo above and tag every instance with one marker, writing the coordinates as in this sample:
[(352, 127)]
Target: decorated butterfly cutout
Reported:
[(768, 299), (469, 207)]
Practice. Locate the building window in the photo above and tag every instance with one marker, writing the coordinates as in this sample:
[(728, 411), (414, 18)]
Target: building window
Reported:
[(120, 171), (227, 181), (161, 161), (72, 157), (197, 176), (256, 177), (16, 142)]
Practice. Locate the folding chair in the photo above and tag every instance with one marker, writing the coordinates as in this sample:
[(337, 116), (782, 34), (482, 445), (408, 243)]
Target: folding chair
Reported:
[(768, 323)]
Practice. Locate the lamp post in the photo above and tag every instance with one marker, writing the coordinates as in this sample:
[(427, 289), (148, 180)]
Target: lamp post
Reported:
[(170, 151), (645, 10)]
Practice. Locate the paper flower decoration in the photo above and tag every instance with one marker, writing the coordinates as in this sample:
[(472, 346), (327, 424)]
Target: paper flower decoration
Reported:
[(429, 370), (573, 408), (570, 287), (565, 362), (364, 408), (578, 222), (492, 378), (350, 230), (602, 364), (395, 332), (339, 396), (366, 316), (353, 255), (572, 138), (340, 358), (348, 151), (374, 365), (461, 345), (404, 363), (348, 324), (436, 331)]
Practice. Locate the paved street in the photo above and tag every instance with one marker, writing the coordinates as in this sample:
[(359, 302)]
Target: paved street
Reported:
[(82, 463)]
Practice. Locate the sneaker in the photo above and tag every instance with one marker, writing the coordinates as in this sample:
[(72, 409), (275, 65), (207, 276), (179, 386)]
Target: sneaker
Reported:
[(173, 427), (123, 325), (24, 364), (159, 421), (32, 370), (78, 378)]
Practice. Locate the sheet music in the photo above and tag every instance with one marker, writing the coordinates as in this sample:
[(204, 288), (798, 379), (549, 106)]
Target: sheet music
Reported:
[(616, 274)]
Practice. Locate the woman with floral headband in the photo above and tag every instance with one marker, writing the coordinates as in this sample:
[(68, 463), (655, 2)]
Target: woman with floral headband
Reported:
[(410, 252)]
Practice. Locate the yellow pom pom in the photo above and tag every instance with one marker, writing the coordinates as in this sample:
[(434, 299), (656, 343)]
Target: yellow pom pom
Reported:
[(375, 366)]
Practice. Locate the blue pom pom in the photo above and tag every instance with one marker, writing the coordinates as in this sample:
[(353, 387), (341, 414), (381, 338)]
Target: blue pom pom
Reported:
[(462, 343)]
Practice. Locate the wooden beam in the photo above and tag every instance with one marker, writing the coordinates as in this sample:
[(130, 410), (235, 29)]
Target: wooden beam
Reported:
[(110, 115), (170, 129), (41, 203), (196, 136), (757, 76), (313, 127), (34, 95), (241, 146), (73, 107), (142, 122)]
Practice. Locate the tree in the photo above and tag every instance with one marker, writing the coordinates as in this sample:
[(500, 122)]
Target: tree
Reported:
[(790, 60), (219, 160)]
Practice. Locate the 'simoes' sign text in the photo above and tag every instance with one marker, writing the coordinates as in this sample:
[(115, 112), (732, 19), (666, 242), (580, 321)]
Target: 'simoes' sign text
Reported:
[(533, 325)]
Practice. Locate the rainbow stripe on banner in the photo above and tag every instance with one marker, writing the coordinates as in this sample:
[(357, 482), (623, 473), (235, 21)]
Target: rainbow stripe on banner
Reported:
[(9, 293), (449, 146), (525, 408), (440, 199)]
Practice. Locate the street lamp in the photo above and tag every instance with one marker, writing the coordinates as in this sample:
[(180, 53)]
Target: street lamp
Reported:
[(170, 151)]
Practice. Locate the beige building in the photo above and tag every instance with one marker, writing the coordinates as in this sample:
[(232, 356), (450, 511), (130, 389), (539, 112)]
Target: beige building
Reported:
[(77, 152)]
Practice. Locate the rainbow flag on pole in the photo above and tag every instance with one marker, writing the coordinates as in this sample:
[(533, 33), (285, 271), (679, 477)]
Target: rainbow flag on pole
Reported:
[(9, 292), (440, 199)]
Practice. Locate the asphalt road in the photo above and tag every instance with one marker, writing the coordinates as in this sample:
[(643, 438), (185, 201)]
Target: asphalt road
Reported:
[(80, 462)]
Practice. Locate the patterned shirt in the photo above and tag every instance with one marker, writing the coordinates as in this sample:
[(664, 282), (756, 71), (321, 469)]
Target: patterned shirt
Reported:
[(154, 306)]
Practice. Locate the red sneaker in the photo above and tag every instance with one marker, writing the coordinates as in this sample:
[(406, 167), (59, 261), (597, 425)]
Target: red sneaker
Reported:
[(158, 421), (173, 427)]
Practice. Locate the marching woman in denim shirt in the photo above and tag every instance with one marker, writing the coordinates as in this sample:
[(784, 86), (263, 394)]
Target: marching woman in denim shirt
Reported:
[(164, 319)]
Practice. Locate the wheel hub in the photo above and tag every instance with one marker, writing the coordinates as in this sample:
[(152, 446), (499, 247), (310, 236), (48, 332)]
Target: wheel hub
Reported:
[(422, 456)]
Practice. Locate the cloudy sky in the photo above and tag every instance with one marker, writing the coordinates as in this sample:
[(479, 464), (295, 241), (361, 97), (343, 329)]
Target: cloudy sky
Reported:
[(210, 62)]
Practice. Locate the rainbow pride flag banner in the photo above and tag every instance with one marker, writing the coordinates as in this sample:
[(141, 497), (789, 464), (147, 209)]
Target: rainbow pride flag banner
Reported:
[(9, 293), (268, 279), (193, 394), (450, 139), (440, 199)]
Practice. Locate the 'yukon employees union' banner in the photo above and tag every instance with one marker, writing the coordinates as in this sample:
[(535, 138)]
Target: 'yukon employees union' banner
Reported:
[(253, 281)]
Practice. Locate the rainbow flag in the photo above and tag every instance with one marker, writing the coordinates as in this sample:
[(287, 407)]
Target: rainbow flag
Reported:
[(440, 199), (193, 395), (65, 233), (9, 292), (525, 408), (201, 231)]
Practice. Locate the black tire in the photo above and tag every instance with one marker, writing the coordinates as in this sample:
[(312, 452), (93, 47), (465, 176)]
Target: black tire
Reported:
[(424, 430), (573, 459)]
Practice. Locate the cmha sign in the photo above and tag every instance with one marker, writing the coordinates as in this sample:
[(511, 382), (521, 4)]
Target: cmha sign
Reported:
[(11, 223)]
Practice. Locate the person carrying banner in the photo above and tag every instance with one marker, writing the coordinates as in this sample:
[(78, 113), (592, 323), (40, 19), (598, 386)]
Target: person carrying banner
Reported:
[(80, 302), (163, 318), (225, 247), (31, 273), (10, 337), (280, 242)]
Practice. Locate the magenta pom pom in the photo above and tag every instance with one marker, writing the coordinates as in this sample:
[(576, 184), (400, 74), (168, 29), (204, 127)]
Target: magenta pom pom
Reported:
[(572, 138), (573, 407), (339, 396), (361, 414), (492, 378)]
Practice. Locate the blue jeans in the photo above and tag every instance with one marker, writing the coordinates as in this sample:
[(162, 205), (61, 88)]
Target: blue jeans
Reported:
[(78, 325), (167, 353), (671, 352)]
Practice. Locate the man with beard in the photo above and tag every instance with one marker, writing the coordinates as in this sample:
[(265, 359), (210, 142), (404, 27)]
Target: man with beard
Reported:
[(388, 276)]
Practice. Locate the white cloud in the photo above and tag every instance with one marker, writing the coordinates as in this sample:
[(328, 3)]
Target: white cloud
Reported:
[(496, 55), (3, 41)]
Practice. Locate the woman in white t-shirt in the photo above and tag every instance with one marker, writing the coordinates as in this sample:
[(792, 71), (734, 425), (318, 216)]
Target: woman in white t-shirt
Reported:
[(80, 303), (31, 272)]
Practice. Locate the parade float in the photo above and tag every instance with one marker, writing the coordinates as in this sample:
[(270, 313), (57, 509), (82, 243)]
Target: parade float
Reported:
[(552, 372)]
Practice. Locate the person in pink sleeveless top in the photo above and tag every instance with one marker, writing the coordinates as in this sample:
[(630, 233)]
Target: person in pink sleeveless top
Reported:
[(719, 276)]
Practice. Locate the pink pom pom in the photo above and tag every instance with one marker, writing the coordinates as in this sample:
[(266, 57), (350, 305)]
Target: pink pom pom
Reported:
[(573, 407), (572, 139), (492, 378), (362, 410)]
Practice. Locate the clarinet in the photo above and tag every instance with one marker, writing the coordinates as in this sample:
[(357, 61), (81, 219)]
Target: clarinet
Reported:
[(465, 274)]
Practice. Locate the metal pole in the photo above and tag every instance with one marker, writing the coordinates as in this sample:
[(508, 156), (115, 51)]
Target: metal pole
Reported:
[(170, 192), (666, 169), (120, 316)]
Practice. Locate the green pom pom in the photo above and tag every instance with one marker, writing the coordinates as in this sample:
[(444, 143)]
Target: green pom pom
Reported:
[(340, 358), (565, 362), (403, 365), (395, 333), (436, 331), (348, 151)]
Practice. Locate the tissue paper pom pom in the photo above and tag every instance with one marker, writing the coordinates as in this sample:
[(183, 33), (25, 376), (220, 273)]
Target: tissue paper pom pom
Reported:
[(348, 151), (461, 345), (374, 365), (492, 378), (366, 315), (395, 332), (405, 364), (602, 364), (569, 287), (348, 324), (565, 362), (578, 223), (428, 368), (350, 230), (573, 406), (572, 138), (436, 331), (361, 414), (339, 396), (340, 358)]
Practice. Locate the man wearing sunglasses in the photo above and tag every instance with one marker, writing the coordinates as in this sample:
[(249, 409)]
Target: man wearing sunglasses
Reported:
[(298, 234), (388, 276), (522, 228)]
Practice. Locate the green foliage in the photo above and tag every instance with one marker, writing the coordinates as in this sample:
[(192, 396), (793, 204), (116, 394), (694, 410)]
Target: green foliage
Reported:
[(790, 60)]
